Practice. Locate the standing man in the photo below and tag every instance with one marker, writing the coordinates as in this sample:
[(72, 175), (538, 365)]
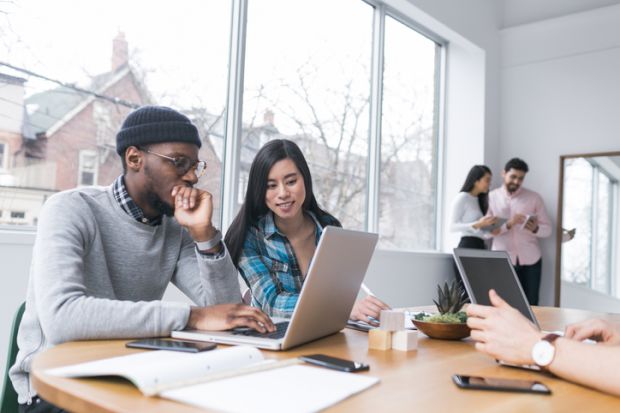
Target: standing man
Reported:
[(527, 221), (104, 256)]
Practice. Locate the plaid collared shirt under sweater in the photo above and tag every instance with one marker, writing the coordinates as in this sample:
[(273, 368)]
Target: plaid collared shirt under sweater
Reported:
[(128, 205), (133, 210)]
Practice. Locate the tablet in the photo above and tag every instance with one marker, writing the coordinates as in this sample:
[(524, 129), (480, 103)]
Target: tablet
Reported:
[(482, 270), (493, 227)]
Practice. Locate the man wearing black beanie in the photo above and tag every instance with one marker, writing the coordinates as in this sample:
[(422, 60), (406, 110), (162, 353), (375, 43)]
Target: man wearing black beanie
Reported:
[(104, 256)]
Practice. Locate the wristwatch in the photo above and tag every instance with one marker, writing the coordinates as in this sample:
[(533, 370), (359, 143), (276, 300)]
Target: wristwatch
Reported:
[(543, 352), (210, 244)]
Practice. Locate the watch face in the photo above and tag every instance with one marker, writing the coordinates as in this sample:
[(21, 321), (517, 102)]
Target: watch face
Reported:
[(543, 353)]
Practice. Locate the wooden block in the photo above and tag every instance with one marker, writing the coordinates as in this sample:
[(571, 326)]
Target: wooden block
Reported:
[(391, 320), (405, 340), (379, 339)]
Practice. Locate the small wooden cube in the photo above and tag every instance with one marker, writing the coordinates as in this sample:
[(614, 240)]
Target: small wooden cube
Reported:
[(405, 340), (379, 339), (391, 320)]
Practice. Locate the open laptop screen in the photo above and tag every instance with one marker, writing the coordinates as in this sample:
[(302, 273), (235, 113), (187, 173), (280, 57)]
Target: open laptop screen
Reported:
[(484, 273)]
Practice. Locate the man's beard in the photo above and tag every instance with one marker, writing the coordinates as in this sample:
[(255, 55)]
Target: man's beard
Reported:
[(155, 200), (159, 204), (512, 188)]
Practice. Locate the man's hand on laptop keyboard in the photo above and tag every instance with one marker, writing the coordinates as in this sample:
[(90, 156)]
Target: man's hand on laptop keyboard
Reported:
[(227, 316), (595, 329)]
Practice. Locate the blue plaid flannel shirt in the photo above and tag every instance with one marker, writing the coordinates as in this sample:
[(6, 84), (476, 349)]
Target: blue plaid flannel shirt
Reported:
[(268, 265)]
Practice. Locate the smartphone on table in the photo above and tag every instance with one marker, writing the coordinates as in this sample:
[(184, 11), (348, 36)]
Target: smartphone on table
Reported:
[(174, 345), (500, 384), (334, 363)]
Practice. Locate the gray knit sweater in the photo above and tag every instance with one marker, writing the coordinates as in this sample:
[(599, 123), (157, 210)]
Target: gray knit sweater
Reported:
[(98, 274)]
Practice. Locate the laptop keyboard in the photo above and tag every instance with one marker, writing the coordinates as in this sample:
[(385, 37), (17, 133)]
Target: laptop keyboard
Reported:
[(279, 333)]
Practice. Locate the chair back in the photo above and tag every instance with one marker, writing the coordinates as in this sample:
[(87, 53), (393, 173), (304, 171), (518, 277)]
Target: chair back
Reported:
[(9, 395)]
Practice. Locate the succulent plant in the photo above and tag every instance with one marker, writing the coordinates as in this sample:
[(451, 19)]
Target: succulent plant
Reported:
[(450, 300)]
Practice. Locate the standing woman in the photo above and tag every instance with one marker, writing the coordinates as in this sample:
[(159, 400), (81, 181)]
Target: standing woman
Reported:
[(470, 208), (273, 237)]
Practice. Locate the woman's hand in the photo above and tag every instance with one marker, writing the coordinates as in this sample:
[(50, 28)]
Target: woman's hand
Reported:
[(368, 310), (594, 329), (485, 221)]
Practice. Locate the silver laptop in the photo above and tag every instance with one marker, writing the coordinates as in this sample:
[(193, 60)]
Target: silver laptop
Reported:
[(482, 270), (326, 299)]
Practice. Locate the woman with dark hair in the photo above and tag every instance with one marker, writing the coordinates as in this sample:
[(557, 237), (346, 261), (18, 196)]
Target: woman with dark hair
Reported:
[(470, 208), (273, 237)]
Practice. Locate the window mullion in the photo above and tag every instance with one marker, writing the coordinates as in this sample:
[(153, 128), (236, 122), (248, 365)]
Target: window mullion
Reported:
[(374, 144), (234, 105)]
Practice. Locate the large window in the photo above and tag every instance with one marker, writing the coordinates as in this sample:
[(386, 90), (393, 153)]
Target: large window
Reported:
[(312, 86), (352, 82), (408, 188), (590, 204)]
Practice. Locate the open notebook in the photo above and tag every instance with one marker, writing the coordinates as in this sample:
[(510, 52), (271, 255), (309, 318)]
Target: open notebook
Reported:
[(215, 379)]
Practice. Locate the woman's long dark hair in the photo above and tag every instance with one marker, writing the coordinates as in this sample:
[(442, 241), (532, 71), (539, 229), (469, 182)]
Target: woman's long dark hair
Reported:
[(476, 173), (254, 205)]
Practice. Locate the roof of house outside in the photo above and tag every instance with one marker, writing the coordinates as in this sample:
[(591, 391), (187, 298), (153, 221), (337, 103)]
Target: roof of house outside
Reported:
[(46, 109)]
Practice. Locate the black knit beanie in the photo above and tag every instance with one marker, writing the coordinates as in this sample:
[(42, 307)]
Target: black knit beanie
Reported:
[(155, 124)]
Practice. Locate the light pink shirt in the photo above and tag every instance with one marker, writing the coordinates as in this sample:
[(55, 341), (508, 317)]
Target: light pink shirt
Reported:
[(521, 244)]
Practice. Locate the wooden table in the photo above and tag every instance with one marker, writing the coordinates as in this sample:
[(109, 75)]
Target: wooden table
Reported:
[(410, 381)]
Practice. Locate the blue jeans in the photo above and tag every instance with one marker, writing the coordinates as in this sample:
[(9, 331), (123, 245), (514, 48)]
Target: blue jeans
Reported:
[(529, 276)]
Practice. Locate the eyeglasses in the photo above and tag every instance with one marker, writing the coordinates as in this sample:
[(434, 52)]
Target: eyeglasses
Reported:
[(183, 164)]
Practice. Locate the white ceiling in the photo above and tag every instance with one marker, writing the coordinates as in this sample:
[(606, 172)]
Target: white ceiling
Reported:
[(518, 12)]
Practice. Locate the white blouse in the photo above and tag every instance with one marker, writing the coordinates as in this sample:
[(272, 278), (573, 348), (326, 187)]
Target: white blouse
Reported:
[(465, 213)]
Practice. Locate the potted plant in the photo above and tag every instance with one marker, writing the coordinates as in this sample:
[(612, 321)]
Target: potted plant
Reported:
[(451, 322)]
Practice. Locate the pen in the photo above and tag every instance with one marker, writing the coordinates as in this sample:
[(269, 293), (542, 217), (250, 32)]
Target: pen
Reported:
[(367, 290)]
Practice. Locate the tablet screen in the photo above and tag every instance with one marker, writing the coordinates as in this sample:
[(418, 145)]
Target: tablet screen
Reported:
[(484, 273)]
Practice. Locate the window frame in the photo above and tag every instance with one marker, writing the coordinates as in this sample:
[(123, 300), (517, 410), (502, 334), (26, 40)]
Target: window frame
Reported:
[(594, 217), (613, 184), (81, 166), (4, 157), (381, 12)]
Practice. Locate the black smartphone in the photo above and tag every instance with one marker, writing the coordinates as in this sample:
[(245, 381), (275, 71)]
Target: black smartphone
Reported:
[(334, 363), (499, 384), (175, 345)]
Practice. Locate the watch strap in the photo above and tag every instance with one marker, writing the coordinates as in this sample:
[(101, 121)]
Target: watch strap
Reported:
[(549, 338), (210, 244)]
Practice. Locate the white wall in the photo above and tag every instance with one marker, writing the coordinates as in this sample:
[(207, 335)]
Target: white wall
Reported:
[(518, 12), (560, 82), (577, 296), (404, 279)]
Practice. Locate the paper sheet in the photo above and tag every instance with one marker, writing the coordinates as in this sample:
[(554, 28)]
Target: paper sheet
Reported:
[(290, 389)]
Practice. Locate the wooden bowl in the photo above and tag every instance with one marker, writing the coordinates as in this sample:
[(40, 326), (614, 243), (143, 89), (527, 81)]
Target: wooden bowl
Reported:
[(444, 331)]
